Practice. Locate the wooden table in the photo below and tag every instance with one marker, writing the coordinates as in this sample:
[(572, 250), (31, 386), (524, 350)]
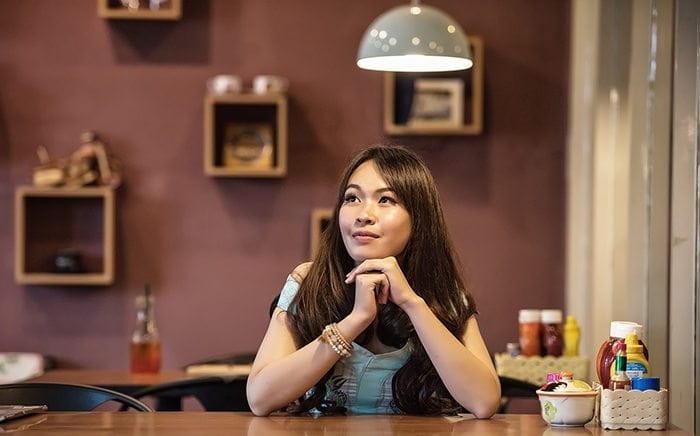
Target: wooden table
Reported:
[(225, 423), (120, 381)]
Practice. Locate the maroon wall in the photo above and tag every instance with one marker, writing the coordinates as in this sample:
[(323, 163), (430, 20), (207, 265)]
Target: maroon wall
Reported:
[(217, 250)]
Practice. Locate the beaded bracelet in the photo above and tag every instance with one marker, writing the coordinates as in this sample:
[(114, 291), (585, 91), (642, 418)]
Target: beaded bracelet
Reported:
[(334, 328), (332, 336)]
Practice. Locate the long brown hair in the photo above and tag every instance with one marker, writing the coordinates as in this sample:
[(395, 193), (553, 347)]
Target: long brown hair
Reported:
[(429, 264)]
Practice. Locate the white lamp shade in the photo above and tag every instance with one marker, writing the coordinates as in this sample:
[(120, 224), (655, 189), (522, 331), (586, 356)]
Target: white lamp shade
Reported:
[(414, 38)]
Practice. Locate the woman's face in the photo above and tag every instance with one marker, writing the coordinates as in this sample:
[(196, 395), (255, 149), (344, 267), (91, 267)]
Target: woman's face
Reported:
[(373, 220)]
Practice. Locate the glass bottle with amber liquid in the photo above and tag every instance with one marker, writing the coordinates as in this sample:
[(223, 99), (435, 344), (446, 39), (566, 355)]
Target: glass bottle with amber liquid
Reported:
[(145, 343)]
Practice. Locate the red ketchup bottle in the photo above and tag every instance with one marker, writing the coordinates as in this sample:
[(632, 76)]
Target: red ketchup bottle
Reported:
[(606, 355)]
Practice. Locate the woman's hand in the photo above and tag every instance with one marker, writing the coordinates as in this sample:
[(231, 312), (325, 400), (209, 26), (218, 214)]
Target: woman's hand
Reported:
[(398, 290), (370, 290)]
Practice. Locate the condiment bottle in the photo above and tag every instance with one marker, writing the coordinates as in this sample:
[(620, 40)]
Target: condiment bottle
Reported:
[(552, 340), (145, 353), (572, 337), (620, 379), (606, 356), (513, 349), (529, 320), (637, 364)]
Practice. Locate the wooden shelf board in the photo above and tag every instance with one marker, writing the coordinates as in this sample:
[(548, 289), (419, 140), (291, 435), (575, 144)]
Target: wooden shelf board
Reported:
[(84, 279)]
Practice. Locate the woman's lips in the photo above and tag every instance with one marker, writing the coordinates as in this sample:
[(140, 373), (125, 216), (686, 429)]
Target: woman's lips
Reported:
[(364, 236)]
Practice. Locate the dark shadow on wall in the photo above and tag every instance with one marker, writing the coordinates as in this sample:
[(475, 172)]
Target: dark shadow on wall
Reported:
[(184, 41)]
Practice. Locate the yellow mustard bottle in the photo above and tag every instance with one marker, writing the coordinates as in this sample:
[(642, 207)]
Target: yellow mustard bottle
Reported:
[(572, 337), (637, 364)]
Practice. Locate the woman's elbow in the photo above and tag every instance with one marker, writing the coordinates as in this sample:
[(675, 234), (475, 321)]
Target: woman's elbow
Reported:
[(255, 401), (257, 410), (486, 407), (484, 411), (258, 407)]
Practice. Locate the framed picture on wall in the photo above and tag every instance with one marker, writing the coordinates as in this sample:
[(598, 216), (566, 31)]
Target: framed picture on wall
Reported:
[(437, 103), (248, 146), (320, 219)]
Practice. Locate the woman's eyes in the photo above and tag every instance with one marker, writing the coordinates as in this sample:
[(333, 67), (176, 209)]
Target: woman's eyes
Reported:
[(385, 199)]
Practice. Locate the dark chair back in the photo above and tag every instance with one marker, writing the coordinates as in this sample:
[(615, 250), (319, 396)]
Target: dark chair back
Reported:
[(64, 397), (514, 388), (215, 394)]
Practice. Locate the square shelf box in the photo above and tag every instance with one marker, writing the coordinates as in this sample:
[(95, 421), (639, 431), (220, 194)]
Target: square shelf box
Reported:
[(48, 220), (115, 9), (245, 135), (446, 103)]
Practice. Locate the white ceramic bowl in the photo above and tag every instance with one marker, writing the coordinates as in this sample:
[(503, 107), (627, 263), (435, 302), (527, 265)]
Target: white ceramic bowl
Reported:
[(567, 409)]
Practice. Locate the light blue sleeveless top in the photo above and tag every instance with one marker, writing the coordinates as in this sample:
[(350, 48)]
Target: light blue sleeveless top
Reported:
[(361, 382)]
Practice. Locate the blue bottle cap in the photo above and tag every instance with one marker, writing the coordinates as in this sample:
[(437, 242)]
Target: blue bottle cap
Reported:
[(646, 383)]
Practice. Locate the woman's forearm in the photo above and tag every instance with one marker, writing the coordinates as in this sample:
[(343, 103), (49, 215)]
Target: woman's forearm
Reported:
[(468, 374), (277, 381)]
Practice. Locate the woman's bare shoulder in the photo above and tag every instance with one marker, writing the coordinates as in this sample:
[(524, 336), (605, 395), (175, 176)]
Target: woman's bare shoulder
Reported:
[(300, 272)]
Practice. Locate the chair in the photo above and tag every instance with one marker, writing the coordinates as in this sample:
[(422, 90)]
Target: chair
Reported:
[(514, 388), (64, 397), (215, 394)]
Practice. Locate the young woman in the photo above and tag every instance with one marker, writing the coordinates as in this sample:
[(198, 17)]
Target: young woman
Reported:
[(381, 321)]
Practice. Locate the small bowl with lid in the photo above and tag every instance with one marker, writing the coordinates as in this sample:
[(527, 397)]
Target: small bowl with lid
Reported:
[(567, 402)]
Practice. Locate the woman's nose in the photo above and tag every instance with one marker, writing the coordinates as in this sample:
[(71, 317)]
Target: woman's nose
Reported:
[(366, 215)]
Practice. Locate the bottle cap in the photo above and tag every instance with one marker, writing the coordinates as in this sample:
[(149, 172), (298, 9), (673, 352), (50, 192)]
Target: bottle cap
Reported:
[(646, 383), (551, 316), (620, 329), (529, 315), (635, 349), (633, 345)]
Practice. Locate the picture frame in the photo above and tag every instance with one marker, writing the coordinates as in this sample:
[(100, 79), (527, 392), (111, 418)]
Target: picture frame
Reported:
[(247, 146), (437, 103), (320, 219)]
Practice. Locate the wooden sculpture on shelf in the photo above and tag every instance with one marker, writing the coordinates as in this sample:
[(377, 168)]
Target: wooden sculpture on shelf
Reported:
[(89, 165)]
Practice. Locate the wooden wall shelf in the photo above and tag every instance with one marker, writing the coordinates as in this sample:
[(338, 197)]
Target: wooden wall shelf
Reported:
[(48, 220), (400, 108), (320, 219), (114, 9), (245, 135)]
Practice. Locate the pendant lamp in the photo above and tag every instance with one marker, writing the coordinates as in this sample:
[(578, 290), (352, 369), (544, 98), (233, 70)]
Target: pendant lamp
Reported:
[(414, 38)]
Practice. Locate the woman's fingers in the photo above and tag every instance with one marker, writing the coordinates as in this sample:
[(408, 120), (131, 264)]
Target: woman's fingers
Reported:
[(382, 292), (371, 266), (375, 283)]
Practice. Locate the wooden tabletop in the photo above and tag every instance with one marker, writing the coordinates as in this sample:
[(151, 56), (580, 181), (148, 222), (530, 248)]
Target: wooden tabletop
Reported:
[(218, 423)]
